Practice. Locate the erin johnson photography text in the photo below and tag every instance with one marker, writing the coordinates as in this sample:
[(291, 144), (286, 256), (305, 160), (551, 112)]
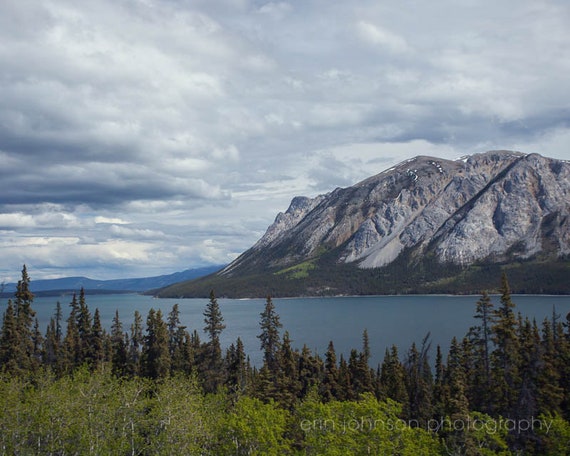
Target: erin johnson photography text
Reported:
[(364, 424)]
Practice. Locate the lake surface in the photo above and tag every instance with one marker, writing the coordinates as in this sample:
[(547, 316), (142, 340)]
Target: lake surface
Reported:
[(399, 320)]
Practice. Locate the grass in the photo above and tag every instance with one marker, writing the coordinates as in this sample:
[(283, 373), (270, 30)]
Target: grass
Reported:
[(299, 271)]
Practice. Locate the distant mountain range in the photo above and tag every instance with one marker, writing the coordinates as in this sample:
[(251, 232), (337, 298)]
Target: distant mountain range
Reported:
[(426, 225), (73, 284)]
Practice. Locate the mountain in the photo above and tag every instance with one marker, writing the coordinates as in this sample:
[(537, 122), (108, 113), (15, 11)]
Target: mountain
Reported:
[(426, 225), (71, 284)]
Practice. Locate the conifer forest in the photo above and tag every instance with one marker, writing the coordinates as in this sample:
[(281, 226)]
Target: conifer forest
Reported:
[(151, 387)]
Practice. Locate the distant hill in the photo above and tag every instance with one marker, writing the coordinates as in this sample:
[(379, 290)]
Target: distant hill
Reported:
[(55, 286), (426, 225)]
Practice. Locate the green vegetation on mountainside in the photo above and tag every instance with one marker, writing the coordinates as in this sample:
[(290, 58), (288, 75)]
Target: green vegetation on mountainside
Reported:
[(324, 277)]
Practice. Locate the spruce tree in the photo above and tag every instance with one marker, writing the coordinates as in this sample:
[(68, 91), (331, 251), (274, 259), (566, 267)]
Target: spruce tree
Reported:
[(458, 437), (52, 352), (440, 390), (505, 358), (24, 320), (345, 388), (173, 329), (329, 388), (119, 353), (71, 342), (287, 381), (310, 370), (9, 341), (38, 347), (392, 377), (97, 338), (84, 327), (155, 358), (419, 383), (136, 342), (58, 320), (51, 346), (182, 356), (479, 336), (211, 368), (236, 368), (354, 373), (550, 393), (562, 348), (269, 337), (360, 374), (178, 342), (213, 319)]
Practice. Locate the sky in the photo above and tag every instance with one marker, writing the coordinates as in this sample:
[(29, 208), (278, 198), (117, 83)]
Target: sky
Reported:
[(145, 137)]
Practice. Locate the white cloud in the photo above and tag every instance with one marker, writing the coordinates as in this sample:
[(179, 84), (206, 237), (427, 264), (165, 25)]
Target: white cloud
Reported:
[(16, 220), (276, 10), (153, 136), (110, 220), (380, 36)]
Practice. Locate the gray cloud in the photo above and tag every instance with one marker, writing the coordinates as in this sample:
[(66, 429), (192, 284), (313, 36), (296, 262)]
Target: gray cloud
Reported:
[(189, 125)]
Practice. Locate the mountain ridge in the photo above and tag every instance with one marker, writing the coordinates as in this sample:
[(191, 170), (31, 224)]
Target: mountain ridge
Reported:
[(426, 219), (93, 286)]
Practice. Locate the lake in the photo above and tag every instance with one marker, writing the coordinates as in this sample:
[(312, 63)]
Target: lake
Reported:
[(399, 320)]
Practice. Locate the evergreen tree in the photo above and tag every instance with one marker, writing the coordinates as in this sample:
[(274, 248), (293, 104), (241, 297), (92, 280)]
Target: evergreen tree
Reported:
[(269, 336), (183, 355), (97, 338), (562, 348), (392, 377), (38, 347), (24, 298), (353, 372), (136, 343), (51, 346), (287, 381), (155, 358), (179, 343), (310, 370), (457, 437), (119, 353), (9, 341), (360, 375), (173, 329), (530, 364), (196, 348), (505, 358), (419, 383), (440, 390), (479, 336), (550, 393), (345, 388), (329, 388), (84, 327), (72, 342), (58, 320), (213, 319), (212, 364), (52, 351), (236, 368)]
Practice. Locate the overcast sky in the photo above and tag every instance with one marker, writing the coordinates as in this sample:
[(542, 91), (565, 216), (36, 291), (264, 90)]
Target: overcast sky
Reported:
[(143, 137)]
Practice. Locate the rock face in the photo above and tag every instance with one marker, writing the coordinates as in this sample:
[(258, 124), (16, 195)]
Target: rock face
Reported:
[(495, 206)]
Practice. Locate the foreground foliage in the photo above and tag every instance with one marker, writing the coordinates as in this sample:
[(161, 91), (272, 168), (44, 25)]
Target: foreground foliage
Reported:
[(98, 413)]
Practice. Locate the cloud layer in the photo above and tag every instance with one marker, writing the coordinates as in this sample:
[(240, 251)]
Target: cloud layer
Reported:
[(144, 137)]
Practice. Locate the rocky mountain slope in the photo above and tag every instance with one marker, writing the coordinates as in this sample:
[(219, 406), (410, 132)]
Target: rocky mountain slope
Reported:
[(421, 226)]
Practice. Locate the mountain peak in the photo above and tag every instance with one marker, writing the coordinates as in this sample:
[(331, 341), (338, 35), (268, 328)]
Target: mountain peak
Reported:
[(425, 214)]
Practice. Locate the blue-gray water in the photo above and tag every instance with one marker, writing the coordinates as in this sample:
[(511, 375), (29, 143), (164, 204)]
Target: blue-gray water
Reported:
[(389, 320)]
